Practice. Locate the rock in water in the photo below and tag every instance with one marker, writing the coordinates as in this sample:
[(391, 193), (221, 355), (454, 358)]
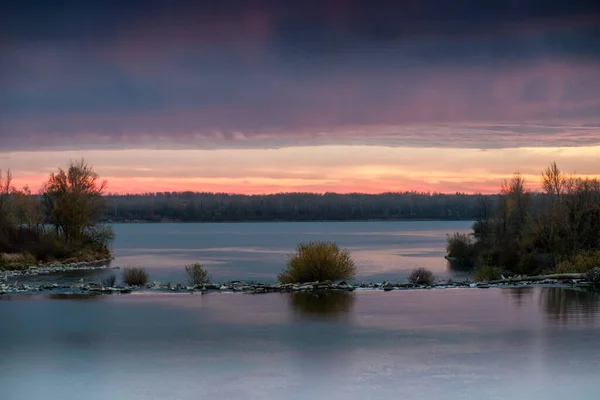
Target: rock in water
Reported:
[(593, 276)]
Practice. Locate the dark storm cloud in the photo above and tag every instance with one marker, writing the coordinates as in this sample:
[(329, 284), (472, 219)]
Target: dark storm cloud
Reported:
[(291, 20), (138, 73)]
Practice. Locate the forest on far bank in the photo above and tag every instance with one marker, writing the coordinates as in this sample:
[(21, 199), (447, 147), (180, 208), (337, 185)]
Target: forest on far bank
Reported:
[(219, 207)]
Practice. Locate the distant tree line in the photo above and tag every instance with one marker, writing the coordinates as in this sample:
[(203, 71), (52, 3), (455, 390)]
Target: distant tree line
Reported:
[(218, 207)]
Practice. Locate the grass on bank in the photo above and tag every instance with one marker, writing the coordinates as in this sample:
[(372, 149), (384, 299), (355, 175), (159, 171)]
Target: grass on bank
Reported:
[(135, 276), (11, 261), (196, 274), (421, 276), (318, 261)]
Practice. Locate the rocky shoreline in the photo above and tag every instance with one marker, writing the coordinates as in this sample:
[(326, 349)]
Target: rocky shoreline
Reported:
[(55, 268), (257, 288)]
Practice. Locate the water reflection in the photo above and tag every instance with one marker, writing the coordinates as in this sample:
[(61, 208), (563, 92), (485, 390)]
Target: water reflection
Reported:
[(322, 304), (73, 296), (433, 344), (568, 305), (384, 250), (520, 296)]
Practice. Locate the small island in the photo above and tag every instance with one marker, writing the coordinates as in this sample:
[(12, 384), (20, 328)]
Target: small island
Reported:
[(556, 231), (56, 227)]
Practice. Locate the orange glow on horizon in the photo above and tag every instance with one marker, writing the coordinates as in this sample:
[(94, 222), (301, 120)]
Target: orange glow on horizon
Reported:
[(118, 185), (340, 169)]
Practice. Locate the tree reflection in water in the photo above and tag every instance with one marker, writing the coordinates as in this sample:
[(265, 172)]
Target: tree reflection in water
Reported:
[(565, 305), (520, 296), (322, 304)]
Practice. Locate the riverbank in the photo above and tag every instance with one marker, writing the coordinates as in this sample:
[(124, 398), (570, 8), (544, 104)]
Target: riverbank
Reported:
[(54, 268), (567, 280)]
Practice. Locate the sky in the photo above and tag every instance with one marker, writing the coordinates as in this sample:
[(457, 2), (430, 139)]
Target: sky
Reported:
[(279, 96)]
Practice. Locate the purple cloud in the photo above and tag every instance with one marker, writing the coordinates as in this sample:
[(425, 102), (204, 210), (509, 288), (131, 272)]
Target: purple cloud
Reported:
[(274, 75)]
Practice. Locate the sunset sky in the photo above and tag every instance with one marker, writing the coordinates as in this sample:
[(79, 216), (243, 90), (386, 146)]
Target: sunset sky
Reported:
[(329, 95)]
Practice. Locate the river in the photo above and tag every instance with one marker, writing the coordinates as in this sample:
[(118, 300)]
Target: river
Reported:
[(428, 344), (258, 251)]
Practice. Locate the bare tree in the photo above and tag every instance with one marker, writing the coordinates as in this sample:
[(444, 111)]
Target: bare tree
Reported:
[(554, 182), (74, 200), (28, 209), (5, 197), (582, 215), (517, 203), (483, 214)]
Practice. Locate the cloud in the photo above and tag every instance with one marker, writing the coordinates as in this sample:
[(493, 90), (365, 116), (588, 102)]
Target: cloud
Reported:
[(274, 74)]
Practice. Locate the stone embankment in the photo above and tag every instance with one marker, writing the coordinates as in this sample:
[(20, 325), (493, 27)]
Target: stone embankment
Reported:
[(572, 280)]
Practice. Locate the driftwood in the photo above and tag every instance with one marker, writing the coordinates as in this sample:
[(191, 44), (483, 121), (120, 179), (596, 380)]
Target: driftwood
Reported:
[(556, 277)]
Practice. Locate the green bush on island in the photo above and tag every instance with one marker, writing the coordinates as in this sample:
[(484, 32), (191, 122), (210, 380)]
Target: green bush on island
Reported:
[(318, 261), (196, 274), (59, 224), (421, 276), (135, 276), (486, 273), (557, 230)]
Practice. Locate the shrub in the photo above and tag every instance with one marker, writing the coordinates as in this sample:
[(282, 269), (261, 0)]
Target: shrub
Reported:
[(318, 261), (109, 281), (421, 276), (532, 263), (98, 237), (587, 260), (579, 263), (50, 248), (486, 273), (135, 276), (460, 247), (196, 274), (566, 267)]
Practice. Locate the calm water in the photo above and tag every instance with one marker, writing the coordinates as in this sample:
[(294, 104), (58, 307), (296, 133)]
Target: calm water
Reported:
[(437, 344), (540, 343), (258, 251)]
